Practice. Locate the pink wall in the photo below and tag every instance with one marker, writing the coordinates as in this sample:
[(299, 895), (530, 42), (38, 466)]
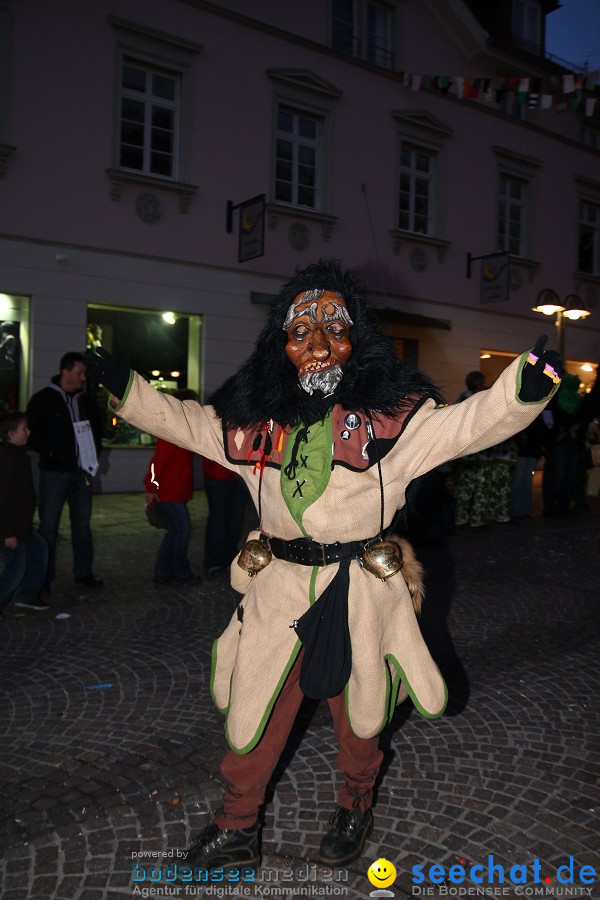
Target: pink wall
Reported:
[(61, 122)]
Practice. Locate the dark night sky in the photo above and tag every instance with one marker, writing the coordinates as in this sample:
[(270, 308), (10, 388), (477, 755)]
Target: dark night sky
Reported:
[(573, 32)]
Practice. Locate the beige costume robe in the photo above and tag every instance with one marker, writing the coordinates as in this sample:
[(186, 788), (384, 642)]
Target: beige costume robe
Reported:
[(389, 657)]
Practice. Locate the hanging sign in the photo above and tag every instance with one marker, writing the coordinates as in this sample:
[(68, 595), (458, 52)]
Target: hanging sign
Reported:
[(251, 229), (494, 278), (495, 271), (251, 235)]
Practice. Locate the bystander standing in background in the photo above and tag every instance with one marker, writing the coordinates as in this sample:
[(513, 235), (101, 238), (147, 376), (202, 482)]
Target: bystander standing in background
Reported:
[(502, 461), (589, 415), (562, 483), (23, 551), (169, 482), (530, 448), (65, 431), (472, 472), (226, 494)]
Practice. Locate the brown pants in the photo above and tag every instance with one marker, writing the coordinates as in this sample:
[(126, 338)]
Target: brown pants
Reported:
[(248, 775)]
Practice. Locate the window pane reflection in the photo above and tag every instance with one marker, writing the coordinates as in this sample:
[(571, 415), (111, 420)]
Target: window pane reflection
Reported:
[(163, 346)]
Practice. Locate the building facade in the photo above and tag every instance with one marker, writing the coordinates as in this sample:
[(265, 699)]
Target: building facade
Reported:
[(166, 165)]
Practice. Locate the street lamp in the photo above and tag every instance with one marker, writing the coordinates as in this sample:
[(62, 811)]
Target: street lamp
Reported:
[(572, 307)]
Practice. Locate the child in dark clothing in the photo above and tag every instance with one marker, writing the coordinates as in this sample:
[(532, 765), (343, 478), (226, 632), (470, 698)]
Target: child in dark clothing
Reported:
[(23, 551)]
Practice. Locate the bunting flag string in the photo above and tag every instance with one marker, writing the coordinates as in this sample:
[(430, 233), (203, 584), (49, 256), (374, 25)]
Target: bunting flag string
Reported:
[(558, 92)]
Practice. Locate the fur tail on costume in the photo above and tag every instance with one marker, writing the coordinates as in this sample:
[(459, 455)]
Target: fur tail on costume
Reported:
[(412, 571)]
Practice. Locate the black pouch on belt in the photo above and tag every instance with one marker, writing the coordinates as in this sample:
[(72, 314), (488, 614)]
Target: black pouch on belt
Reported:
[(324, 632)]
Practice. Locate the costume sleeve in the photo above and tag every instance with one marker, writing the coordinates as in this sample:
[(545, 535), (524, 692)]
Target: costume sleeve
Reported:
[(436, 435), (183, 422)]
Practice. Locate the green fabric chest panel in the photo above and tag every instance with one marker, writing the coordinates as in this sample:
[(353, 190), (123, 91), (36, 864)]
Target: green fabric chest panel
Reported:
[(312, 472)]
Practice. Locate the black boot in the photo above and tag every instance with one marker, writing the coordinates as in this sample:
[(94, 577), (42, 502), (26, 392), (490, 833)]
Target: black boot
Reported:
[(347, 838), (215, 848)]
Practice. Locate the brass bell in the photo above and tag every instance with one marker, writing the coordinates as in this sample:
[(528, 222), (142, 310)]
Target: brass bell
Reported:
[(254, 556), (382, 559)]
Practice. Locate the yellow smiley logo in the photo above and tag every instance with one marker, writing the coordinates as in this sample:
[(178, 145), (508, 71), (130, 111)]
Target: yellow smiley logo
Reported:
[(381, 873)]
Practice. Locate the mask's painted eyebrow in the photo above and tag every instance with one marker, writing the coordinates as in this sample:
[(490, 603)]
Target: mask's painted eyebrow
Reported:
[(340, 311)]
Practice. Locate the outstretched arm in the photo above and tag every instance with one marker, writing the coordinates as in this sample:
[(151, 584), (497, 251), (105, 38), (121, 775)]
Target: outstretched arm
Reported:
[(435, 436)]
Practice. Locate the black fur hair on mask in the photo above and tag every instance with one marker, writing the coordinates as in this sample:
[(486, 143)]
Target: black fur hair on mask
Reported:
[(375, 380)]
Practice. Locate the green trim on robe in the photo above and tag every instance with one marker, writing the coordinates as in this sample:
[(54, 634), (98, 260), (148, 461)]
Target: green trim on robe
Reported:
[(120, 404), (241, 751), (318, 454), (519, 379)]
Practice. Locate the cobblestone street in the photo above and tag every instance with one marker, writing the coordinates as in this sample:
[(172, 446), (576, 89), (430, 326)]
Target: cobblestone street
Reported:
[(111, 744)]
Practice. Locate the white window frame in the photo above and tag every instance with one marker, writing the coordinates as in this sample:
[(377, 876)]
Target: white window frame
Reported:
[(166, 54), (590, 137), (302, 92), (507, 206), (526, 34), (415, 175), (298, 142), (420, 131), (150, 102), (380, 54), (589, 220), (350, 41), (360, 38), (514, 167)]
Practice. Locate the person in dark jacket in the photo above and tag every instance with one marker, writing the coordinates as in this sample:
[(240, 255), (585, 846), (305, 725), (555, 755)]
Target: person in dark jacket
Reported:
[(65, 431), (472, 473), (562, 482), (226, 495), (530, 448), (23, 551)]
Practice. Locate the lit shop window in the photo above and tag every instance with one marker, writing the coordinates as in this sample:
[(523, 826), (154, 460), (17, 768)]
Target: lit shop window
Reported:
[(14, 351), (163, 346)]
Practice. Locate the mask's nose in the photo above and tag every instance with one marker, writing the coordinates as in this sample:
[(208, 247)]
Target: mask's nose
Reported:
[(319, 345)]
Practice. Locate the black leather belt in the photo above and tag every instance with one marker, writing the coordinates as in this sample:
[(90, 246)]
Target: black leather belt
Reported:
[(307, 552)]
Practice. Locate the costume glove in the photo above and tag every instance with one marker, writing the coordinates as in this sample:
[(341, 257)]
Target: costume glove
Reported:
[(540, 373), (109, 370)]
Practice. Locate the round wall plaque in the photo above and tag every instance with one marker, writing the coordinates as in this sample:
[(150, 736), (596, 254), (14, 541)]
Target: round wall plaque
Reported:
[(148, 208), (515, 279), (299, 236), (418, 259), (591, 297)]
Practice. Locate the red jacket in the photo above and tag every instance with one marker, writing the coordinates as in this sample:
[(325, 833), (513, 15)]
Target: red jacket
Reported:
[(212, 469), (171, 467)]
